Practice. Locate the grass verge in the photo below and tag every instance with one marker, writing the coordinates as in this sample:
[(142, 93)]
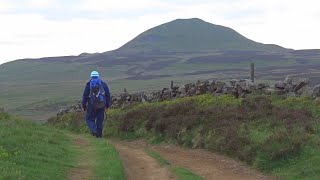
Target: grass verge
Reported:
[(30, 150), (33, 151), (180, 172)]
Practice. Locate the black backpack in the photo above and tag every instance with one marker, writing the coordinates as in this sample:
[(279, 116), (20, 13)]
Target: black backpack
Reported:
[(97, 94)]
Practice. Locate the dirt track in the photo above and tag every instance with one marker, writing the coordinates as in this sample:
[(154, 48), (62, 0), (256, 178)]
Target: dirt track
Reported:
[(207, 164), (138, 165)]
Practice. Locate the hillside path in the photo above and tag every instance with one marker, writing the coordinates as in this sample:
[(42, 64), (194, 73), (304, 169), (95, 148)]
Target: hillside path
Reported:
[(206, 164), (139, 165)]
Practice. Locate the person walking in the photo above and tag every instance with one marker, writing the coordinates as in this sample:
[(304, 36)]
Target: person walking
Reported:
[(95, 101)]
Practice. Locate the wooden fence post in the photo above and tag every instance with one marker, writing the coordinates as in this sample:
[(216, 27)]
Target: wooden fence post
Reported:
[(252, 72), (171, 86)]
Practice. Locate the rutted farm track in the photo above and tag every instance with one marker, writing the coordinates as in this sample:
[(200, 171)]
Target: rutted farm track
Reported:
[(208, 165)]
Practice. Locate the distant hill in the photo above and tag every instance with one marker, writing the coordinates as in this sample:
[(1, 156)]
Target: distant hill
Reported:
[(185, 35), (184, 50)]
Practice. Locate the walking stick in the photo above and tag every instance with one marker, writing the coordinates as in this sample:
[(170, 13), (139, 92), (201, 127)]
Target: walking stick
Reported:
[(105, 114)]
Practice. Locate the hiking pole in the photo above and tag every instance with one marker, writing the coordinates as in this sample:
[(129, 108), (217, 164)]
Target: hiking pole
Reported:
[(105, 114)]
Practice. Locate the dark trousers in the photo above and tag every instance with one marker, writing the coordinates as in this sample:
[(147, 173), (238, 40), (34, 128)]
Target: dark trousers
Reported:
[(94, 120)]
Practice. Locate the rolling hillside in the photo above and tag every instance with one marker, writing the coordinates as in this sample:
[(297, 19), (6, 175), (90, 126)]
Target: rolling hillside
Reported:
[(183, 50)]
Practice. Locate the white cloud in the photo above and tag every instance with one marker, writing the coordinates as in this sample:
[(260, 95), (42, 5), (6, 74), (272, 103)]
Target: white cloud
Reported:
[(289, 23), (34, 36), (120, 5), (6, 5), (41, 3)]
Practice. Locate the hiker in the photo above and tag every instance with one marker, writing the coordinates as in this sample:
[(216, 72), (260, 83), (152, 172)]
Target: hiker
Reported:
[(97, 96)]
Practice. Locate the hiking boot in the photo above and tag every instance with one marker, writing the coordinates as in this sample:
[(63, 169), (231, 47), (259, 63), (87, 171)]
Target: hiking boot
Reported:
[(94, 134)]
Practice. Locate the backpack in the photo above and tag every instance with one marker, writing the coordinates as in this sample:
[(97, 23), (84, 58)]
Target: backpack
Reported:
[(97, 94)]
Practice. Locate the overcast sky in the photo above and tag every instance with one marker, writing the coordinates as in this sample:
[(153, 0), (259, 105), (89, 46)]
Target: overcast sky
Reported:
[(39, 28)]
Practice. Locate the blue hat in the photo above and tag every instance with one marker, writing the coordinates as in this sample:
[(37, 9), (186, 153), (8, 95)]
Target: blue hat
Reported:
[(94, 74)]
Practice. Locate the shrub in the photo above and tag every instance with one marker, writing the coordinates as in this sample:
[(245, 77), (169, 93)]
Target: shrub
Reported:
[(4, 116), (73, 121)]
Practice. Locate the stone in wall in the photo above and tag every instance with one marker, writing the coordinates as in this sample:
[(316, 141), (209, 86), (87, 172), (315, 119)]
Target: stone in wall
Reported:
[(290, 87)]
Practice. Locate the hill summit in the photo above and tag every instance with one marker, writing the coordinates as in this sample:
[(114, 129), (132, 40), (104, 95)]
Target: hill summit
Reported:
[(193, 35)]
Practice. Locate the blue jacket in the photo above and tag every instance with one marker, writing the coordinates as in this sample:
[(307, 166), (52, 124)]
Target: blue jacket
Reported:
[(86, 94)]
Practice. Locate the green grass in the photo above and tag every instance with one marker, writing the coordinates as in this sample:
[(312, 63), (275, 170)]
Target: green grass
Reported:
[(180, 172), (107, 162), (184, 174), (30, 150), (33, 151), (304, 167)]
